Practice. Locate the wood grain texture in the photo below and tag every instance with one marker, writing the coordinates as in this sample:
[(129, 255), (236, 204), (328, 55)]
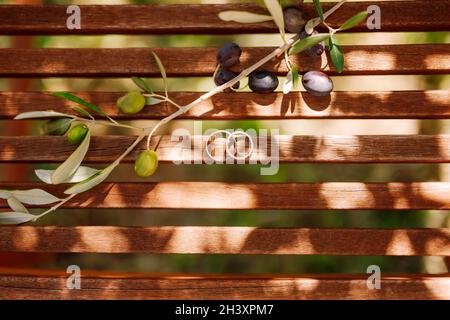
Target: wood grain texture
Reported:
[(124, 62), (179, 19), (39, 285), (226, 240), (284, 148), (237, 196), (430, 104)]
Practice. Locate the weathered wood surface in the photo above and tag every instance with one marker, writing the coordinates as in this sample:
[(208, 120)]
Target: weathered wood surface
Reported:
[(227, 240), (159, 19), (39, 284), (236, 196), (283, 148), (430, 104), (124, 62)]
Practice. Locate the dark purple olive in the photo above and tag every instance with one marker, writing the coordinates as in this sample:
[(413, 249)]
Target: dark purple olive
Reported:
[(262, 81), (317, 83), (228, 55), (293, 20), (223, 76), (316, 50)]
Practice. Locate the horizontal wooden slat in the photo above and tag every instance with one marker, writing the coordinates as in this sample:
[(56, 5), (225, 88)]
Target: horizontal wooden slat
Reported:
[(53, 285), (432, 104), (159, 19), (122, 62), (284, 148), (226, 240), (236, 196)]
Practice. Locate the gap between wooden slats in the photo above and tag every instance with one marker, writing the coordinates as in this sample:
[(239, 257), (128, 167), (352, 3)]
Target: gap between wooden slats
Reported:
[(364, 59), (432, 104), (185, 19), (226, 240), (240, 196)]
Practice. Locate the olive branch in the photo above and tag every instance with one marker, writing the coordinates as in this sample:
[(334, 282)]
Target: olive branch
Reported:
[(84, 178)]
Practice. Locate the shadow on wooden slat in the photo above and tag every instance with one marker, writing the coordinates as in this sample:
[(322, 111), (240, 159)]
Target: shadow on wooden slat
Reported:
[(41, 284)]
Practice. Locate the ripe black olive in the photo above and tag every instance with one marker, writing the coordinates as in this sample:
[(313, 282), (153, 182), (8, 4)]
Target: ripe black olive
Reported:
[(223, 76), (317, 83), (263, 81), (228, 55), (316, 50), (293, 20)]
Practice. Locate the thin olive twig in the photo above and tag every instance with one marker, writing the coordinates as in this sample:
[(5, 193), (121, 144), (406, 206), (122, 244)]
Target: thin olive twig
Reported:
[(106, 123), (165, 98), (182, 109), (226, 85), (277, 52), (116, 162), (59, 204)]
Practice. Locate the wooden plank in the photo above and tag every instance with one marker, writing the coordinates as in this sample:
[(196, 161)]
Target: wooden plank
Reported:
[(238, 196), (180, 62), (53, 285), (283, 148), (159, 19), (226, 240), (430, 104)]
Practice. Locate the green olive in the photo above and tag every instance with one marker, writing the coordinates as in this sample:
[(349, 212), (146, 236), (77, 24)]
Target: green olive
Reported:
[(77, 134), (56, 127), (146, 164), (132, 102)]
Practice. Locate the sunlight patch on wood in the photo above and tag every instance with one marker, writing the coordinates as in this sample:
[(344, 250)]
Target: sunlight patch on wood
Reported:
[(437, 61), (25, 239), (92, 240), (337, 198), (327, 148), (400, 244), (440, 288), (193, 240)]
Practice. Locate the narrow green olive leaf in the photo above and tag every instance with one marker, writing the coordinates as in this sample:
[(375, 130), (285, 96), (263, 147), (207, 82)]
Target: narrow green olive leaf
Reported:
[(161, 68), (354, 21), (276, 11), (142, 84), (70, 166), (244, 16), (308, 42), (40, 114), (82, 112), (73, 98), (56, 127), (336, 55), (15, 217), (319, 9), (92, 181), (16, 205), (288, 83), (81, 174), (34, 196), (5, 194), (294, 76), (149, 101)]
